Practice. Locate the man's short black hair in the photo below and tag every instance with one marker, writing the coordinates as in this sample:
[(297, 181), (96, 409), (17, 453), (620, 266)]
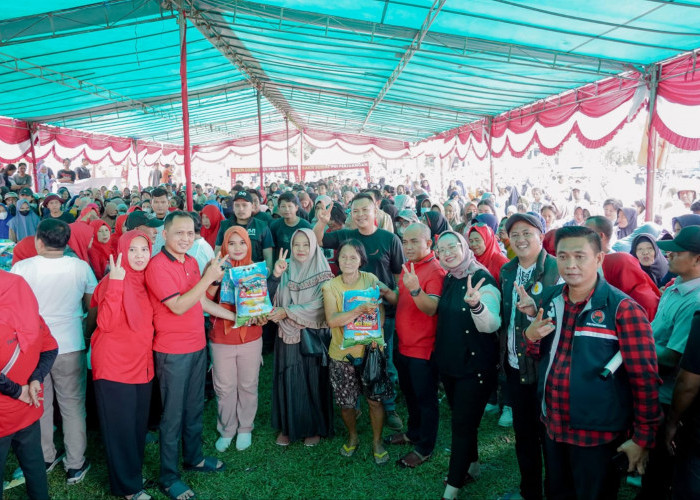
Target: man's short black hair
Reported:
[(601, 224), (289, 197), (255, 192), (359, 248), (579, 232), (53, 233), (174, 215), (362, 196), (158, 192)]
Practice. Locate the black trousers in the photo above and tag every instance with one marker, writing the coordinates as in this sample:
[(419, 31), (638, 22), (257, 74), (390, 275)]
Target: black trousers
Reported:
[(26, 444), (581, 472), (181, 378), (467, 397), (529, 433), (418, 379), (657, 478), (123, 413)]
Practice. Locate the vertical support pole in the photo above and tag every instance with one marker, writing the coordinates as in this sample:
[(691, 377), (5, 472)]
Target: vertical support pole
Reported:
[(286, 124), (492, 172), (35, 173), (301, 155), (260, 153), (135, 145), (651, 146), (185, 108)]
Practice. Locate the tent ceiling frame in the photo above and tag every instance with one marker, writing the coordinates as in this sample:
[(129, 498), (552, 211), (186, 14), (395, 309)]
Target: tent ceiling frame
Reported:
[(223, 41), (116, 14), (173, 100), (83, 86), (405, 58), (553, 58)]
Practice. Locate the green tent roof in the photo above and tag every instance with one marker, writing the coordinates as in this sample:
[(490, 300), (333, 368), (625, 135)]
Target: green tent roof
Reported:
[(405, 69)]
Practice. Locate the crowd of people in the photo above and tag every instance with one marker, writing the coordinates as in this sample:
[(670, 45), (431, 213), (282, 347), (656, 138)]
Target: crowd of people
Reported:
[(572, 318)]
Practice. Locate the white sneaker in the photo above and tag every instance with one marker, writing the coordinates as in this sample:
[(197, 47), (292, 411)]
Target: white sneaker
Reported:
[(506, 419), (244, 440), (222, 444), (491, 409)]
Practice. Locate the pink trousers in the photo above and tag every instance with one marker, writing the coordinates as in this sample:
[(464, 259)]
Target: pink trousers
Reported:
[(235, 377)]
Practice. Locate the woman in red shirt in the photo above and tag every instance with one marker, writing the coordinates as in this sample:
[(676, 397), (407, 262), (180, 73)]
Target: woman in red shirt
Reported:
[(236, 355), (122, 362)]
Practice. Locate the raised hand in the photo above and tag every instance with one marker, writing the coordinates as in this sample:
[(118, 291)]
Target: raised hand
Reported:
[(410, 278), (526, 304), (323, 215), (473, 295), (539, 328), (281, 264), (116, 271), (216, 269)]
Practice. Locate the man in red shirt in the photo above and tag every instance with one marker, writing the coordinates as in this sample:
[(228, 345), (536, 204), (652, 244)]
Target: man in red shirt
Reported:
[(178, 297), (417, 299), (27, 353), (597, 380)]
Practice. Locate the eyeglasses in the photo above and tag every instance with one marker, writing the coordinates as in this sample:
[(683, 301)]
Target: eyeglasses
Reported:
[(449, 248)]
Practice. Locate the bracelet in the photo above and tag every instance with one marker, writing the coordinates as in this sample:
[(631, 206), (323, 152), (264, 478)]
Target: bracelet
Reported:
[(416, 292), (477, 308)]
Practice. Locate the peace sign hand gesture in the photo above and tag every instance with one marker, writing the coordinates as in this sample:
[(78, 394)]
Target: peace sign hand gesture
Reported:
[(539, 328), (281, 264), (410, 278), (216, 269), (116, 271), (526, 304), (473, 295)]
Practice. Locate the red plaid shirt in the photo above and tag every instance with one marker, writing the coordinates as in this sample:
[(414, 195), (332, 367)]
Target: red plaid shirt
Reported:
[(639, 358)]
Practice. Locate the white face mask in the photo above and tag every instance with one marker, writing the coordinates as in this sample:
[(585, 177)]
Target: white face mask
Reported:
[(3, 216)]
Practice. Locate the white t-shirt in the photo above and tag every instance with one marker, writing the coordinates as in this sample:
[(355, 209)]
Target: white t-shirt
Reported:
[(202, 252), (59, 286)]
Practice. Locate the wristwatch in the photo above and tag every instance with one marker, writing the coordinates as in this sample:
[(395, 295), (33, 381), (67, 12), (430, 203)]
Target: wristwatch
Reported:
[(416, 292)]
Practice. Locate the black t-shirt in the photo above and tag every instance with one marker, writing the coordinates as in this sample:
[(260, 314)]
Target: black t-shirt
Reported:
[(258, 232), (66, 217), (83, 172), (282, 234), (66, 174), (384, 254), (691, 363)]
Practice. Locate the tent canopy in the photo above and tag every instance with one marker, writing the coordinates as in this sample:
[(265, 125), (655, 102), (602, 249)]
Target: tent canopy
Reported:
[(403, 69)]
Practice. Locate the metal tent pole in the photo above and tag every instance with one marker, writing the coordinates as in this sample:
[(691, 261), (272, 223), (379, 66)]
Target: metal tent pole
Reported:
[(286, 124), (185, 108), (135, 145), (260, 153), (35, 173), (651, 146), (492, 172)]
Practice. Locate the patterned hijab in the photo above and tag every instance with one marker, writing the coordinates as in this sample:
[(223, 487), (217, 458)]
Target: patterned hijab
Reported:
[(469, 263), (299, 291)]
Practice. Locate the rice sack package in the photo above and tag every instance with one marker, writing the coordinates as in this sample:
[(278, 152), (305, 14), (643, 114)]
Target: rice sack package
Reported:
[(365, 328), (250, 292)]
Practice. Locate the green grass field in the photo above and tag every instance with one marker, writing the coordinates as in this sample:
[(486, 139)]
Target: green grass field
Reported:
[(269, 471)]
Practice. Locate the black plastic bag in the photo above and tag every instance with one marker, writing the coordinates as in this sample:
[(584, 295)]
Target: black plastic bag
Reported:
[(374, 374)]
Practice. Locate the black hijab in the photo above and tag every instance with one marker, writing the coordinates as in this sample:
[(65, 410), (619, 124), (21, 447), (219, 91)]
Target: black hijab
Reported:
[(659, 268), (437, 224)]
